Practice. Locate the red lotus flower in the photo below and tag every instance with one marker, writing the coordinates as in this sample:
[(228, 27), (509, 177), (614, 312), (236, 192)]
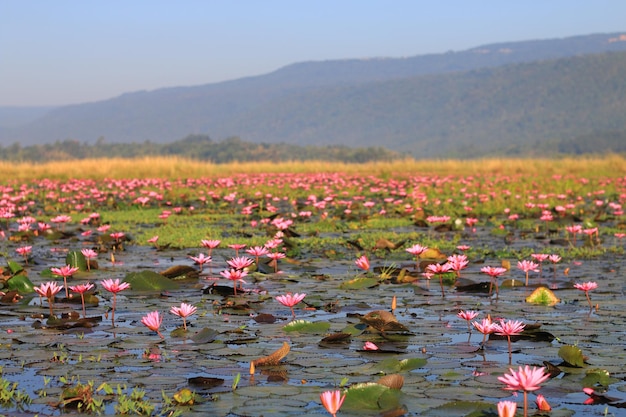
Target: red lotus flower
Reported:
[(153, 322), (290, 300), (439, 269), (185, 310), (48, 290), (114, 286), (586, 287), (527, 266), (507, 408), (509, 328), (89, 254), (363, 263), (468, 315), (234, 275), (526, 379), (486, 326), (542, 403), (82, 289), (240, 262), (65, 272), (332, 401), (494, 272), (201, 259), (370, 346)]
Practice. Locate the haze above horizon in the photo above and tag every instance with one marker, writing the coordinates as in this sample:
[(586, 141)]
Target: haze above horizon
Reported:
[(68, 52)]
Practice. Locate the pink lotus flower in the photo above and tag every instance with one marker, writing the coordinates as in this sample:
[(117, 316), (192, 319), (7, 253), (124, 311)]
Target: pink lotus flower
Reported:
[(586, 287), (290, 300), (237, 247), (65, 272), (153, 322), (494, 272), (114, 286), (509, 328), (257, 252), (507, 409), (185, 310), (240, 262), (275, 256), (486, 326), (201, 259), (416, 250), (89, 254), (210, 244), (468, 315), (525, 379), (234, 275), (458, 263), (370, 346), (542, 403), (332, 401), (49, 290), (439, 269), (24, 251), (527, 266), (363, 263), (82, 289), (154, 240)]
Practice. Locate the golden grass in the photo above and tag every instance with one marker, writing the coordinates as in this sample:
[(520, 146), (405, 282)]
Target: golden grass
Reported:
[(174, 167)]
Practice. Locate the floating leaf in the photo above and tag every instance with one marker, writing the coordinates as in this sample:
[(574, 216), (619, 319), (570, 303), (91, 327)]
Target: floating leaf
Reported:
[(304, 326), (21, 284), (76, 259), (383, 321), (360, 283), (206, 382), (149, 281), (432, 253), (14, 267), (184, 396), (393, 381), (543, 296), (205, 335), (595, 377), (273, 358), (395, 365), (180, 272), (360, 396), (572, 355), (383, 243)]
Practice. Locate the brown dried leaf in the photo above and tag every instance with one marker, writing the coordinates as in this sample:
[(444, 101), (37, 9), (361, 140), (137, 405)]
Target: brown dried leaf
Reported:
[(393, 381), (384, 244), (275, 357)]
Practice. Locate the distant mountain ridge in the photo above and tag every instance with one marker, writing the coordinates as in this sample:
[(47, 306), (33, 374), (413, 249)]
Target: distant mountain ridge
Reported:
[(429, 105)]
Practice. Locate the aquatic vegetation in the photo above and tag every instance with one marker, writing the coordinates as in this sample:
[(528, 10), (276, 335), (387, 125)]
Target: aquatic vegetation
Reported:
[(313, 225)]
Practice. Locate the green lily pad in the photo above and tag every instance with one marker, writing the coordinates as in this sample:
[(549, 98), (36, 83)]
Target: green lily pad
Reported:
[(371, 396), (466, 408), (360, 283), (572, 355), (21, 284), (595, 377), (393, 365), (304, 326), (76, 259), (149, 281), (14, 267)]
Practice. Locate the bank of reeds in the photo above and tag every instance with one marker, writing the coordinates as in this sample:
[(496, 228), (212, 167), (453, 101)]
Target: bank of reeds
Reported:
[(174, 167)]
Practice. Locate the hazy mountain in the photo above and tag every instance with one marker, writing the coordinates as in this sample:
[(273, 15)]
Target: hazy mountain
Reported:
[(485, 97)]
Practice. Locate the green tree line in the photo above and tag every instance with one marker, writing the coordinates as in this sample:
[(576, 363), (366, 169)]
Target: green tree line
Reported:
[(197, 147)]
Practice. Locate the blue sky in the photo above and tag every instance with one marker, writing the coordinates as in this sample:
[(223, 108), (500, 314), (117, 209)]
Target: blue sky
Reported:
[(74, 51)]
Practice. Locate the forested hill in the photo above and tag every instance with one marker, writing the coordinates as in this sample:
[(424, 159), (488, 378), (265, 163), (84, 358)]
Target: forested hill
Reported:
[(507, 96)]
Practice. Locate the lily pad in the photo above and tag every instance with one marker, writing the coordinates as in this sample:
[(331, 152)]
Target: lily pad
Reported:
[(360, 283), (304, 326), (21, 284), (394, 365), (543, 296), (149, 281), (371, 396), (76, 259), (572, 355)]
